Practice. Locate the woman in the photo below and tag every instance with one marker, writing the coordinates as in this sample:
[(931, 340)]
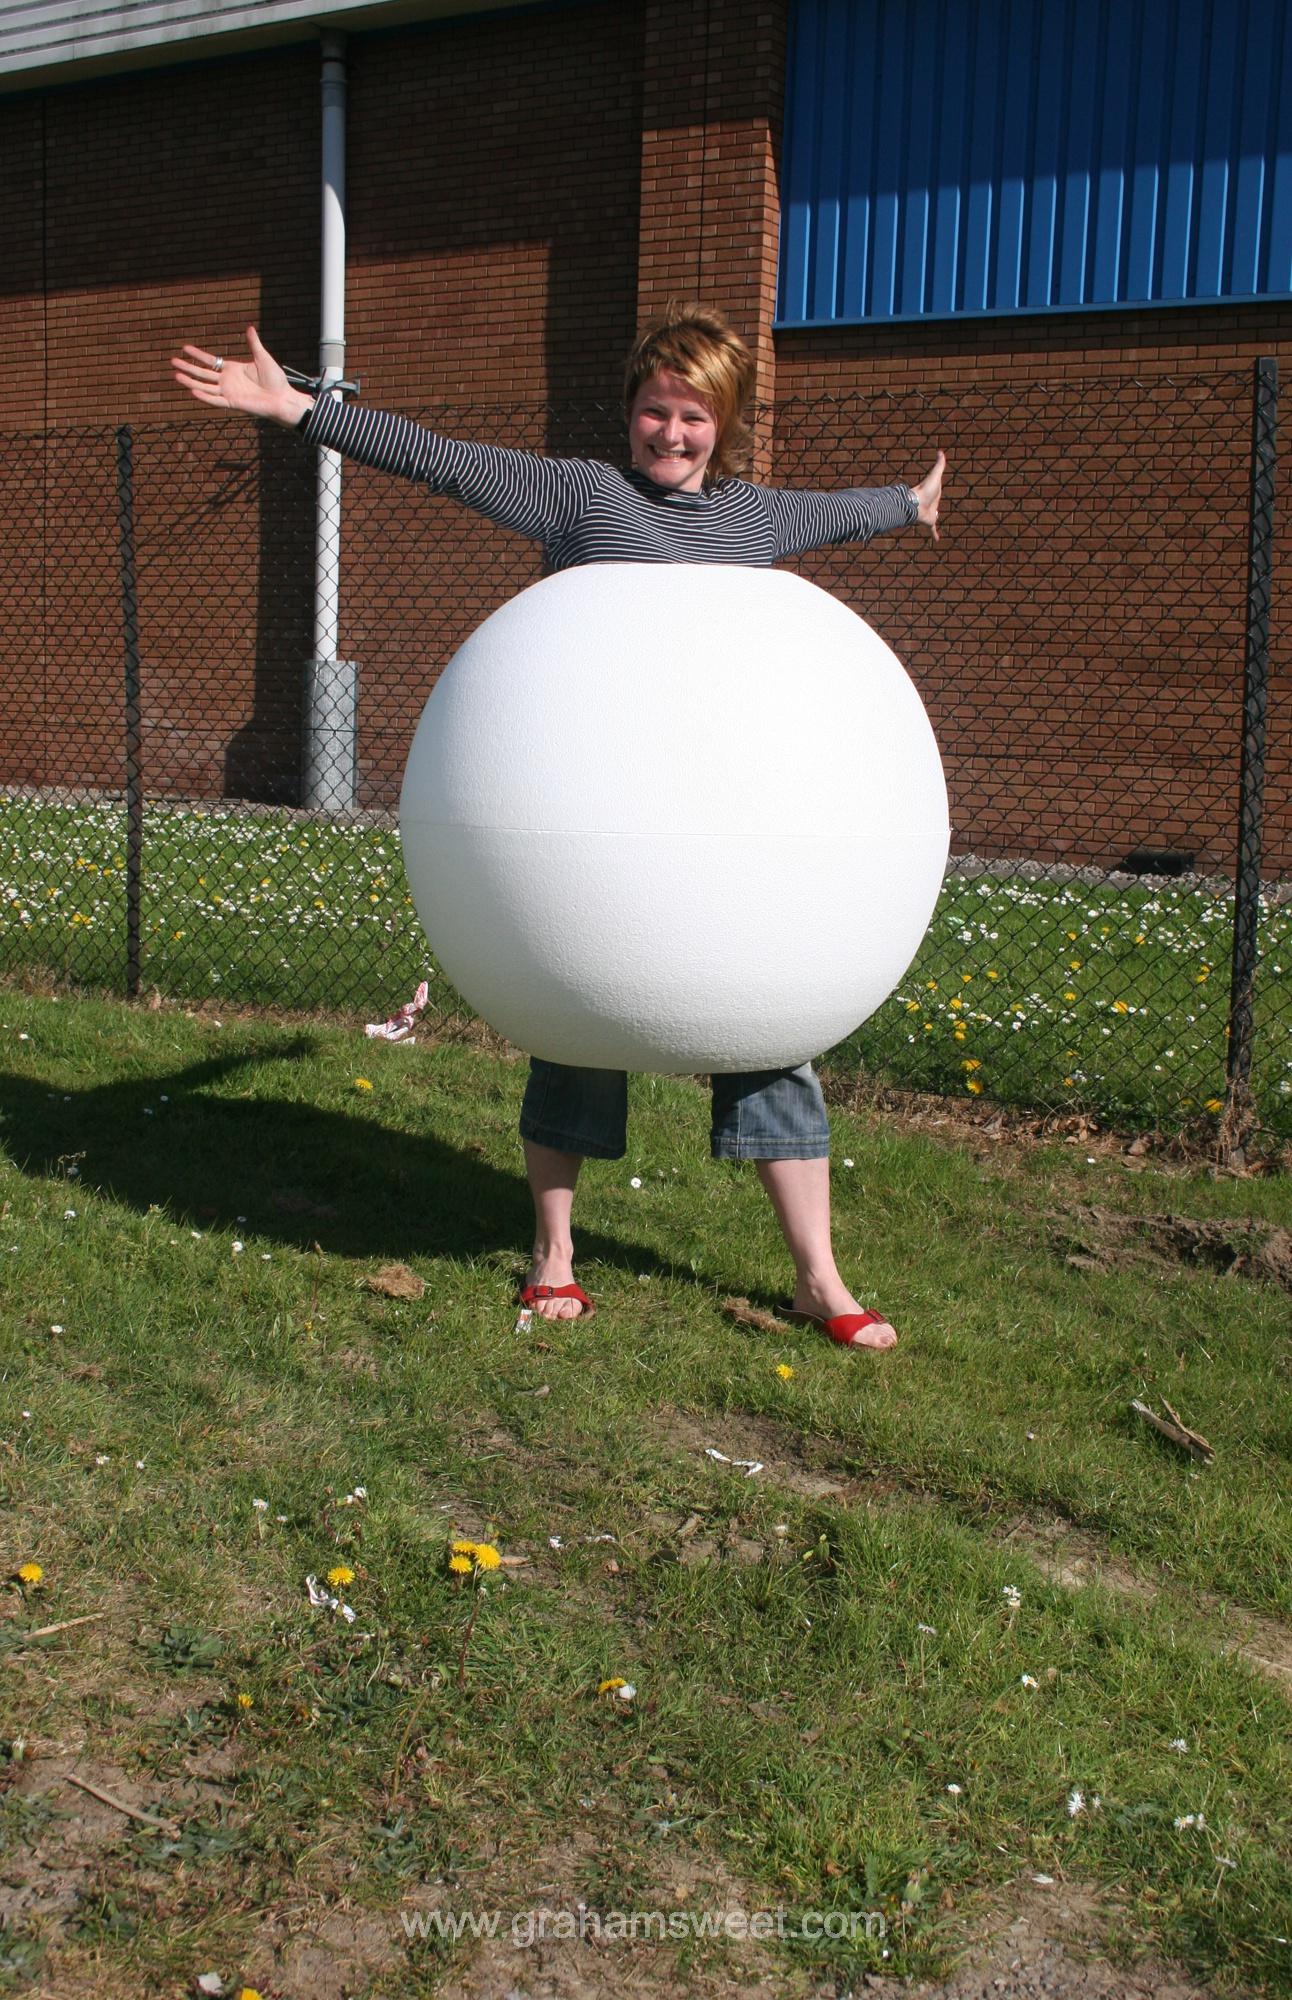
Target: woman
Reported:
[(688, 380)]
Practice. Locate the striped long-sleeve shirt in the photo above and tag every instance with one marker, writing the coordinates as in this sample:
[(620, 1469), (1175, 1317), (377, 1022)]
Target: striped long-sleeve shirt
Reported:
[(583, 511)]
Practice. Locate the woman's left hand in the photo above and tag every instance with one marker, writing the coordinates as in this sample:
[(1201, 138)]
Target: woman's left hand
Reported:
[(928, 495)]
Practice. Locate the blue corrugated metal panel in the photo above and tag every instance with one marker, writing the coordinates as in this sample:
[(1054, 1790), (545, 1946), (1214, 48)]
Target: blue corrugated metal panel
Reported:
[(1003, 156)]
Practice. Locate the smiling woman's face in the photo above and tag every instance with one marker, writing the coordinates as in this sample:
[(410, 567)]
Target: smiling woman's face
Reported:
[(671, 433)]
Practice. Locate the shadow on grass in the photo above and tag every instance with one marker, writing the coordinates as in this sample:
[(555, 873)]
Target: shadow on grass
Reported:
[(280, 1167)]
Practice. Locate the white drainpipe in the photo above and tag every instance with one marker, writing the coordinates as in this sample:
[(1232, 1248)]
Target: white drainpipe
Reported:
[(331, 720)]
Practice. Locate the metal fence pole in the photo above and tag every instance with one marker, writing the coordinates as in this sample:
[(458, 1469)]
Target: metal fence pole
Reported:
[(130, 638), (1239, 1115)]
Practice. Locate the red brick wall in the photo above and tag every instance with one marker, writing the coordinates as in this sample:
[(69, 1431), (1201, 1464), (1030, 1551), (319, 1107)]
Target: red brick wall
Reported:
[(523, 190), (1078, 634), (714, 77), (493, 206)]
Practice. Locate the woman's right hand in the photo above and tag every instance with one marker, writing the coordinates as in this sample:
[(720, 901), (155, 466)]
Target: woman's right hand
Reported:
[(258, 386)]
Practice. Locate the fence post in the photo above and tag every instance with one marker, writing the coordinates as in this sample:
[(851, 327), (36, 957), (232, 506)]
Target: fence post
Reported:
[(130, 637), (1239, 1116)]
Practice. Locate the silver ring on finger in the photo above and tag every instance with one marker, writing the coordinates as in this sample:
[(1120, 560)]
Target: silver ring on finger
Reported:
[(218, 363)]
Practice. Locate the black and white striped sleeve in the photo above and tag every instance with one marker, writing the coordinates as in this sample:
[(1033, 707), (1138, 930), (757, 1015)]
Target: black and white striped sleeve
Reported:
[(806, 519), (538, 497)]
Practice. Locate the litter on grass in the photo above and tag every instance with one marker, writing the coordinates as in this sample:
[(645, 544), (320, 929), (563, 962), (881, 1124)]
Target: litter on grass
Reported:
[(399, 1028), (323, 1600), (749, 1466)]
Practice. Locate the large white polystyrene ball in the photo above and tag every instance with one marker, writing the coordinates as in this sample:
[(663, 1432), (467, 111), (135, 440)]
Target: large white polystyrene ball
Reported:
[(674, 817)]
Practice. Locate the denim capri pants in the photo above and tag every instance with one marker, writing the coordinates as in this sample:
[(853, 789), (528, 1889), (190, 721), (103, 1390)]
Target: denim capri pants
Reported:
[(766, 1114)]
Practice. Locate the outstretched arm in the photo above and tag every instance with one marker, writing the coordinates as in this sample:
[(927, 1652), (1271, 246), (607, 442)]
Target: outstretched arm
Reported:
[(533, 496), (258, 386), (809, 518)]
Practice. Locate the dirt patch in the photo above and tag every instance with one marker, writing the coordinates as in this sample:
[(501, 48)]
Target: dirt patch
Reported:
[(1046, 1942), (789, 1459), (1071, 1557), (1100, 1239), (64, 1835), (559, 1932), (987, 1129), (324, 1950), (1074, 1559), (602, 1960)]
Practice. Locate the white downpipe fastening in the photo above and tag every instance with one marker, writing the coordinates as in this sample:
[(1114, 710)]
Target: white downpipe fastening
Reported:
[(331, 723)]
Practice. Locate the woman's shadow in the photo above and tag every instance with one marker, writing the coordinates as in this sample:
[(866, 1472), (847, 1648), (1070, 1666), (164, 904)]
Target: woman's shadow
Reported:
[(279, 1167)]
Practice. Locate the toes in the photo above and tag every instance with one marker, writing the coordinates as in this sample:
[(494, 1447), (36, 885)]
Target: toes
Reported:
[(874, 1336)]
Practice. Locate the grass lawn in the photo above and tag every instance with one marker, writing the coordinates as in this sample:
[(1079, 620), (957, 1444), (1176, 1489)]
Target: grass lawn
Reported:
[(1105, 998), (968, 1625)]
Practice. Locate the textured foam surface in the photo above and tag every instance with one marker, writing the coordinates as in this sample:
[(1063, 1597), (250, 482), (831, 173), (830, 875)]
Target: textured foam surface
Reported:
[(674, 817)]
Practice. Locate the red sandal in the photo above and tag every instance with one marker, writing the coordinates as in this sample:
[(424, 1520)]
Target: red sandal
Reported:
[(843, 1328), (531, 1293)]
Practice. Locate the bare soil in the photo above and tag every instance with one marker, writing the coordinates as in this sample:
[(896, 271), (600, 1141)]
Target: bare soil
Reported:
[(1101, 1239)]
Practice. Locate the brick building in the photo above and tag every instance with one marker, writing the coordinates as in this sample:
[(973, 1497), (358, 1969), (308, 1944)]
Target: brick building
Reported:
[(525, 184)]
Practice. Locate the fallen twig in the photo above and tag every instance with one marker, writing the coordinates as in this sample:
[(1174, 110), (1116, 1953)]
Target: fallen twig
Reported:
[(166, 1826), (1170, 1426), (64, 1625)]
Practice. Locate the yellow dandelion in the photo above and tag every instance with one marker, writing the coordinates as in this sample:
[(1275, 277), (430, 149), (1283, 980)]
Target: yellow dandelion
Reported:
[(1140, 938), (1068, 1082), (931, 985), (1120, 1007), (956, 1004), (971, 1063), (460, 1548), (362, 1083), (974, 1086), (912, 1006), (460, 1565), (784, 1370), (340, 1576), (1074, 965), (966, 979), (30, 1575), (246, 1701), (247, 1993), (1069, 994), (992, 975), (1214, 1104), (487, 1556), (613, 1685)]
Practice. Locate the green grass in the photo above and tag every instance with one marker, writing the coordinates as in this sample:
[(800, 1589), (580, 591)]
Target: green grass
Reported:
[(1057, 994), (797, 1723)]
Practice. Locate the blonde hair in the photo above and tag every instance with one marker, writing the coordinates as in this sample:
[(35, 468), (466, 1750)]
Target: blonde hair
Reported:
[(696, 343)]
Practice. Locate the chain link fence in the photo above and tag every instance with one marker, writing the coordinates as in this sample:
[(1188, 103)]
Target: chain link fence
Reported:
[(196, 799)]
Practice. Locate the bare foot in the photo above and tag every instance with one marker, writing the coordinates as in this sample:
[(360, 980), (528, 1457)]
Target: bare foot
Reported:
[(556, 1270), (834, 1301)]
